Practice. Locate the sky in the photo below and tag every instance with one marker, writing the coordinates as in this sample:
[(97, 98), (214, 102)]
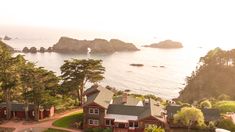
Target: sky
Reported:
[(192, 22)]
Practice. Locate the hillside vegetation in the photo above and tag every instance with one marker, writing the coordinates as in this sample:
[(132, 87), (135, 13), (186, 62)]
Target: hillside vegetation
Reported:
[(213, 77)]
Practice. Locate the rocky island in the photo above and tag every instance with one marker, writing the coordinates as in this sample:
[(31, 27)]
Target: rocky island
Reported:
[(138, 65), (7, 38), (167, 44), (69, 45)]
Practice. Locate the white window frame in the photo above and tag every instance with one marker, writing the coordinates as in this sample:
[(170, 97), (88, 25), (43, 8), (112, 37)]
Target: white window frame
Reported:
[(94, 111), (110, 122), (133, 124), (93, 122)]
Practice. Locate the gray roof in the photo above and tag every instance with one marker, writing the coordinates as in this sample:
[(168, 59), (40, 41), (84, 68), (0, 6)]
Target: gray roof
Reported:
[(17, 106), (125, 110), (172, 109), (102, 97), (90, 90), (132, 101), (152, 109), (209, 114)]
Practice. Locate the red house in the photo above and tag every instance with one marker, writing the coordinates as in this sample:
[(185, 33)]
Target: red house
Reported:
[(18, 111), (123, 113)]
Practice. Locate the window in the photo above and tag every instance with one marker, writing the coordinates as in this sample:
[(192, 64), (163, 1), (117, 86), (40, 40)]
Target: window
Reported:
[(94, 111), (109, 122), (93, 122), (97, 111), (91, 110), (133, 124)]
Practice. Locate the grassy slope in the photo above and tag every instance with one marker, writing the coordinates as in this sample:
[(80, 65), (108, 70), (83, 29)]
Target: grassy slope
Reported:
[(66, 121), (54, 130)]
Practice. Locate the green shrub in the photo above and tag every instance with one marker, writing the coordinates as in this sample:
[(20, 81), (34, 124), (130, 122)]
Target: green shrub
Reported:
[(98, 130), (226, 124), (205, 104), (225, 106), (211, 125), (153, 128)]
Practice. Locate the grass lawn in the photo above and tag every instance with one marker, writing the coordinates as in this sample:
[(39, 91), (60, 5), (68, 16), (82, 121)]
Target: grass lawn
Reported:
[(66, 121), (54, 130)]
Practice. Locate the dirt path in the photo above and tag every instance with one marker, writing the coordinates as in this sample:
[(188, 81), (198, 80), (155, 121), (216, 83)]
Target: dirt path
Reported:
[(42, 125)]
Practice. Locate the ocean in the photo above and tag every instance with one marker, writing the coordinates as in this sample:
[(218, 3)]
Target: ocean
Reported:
[(165, 82)]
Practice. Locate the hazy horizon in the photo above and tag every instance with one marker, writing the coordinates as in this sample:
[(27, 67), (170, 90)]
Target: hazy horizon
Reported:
[(194, 23)]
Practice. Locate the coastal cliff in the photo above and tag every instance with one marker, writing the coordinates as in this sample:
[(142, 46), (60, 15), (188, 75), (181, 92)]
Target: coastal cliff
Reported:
[(213, 79), (167, 44), (68, 45), (9, 47)]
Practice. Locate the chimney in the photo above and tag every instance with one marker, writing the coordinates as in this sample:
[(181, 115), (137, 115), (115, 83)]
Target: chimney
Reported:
[(146, 102), (124, 98)]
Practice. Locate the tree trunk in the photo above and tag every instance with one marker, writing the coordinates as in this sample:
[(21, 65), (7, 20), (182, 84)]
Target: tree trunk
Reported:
[(26, 110), (189, 126), (78, 96), (81, 92), (8, 105), (36, 112)]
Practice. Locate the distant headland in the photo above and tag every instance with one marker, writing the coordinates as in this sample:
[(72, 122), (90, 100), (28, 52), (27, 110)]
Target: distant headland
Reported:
[(167, 44), (70, 45)]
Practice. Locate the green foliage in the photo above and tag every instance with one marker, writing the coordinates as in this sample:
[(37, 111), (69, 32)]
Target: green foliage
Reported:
[(188, 116), (9, 77), (205, 104), (224, 97), (225, 106), (226, 124), (63, 103), (98, 130), (67, 121), (154, 128), (211, 125), (214, 76), (76, 73)]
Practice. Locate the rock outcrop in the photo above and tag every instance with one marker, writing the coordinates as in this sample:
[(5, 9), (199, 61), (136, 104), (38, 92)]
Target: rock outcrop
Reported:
[(69, 45), (50, 49), (33, 50), (138, 65), (42, 50), (7, 38), (167, 44), (25, 50)]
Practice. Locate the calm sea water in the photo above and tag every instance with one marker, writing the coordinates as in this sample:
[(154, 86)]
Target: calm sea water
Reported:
[(149, 79)]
